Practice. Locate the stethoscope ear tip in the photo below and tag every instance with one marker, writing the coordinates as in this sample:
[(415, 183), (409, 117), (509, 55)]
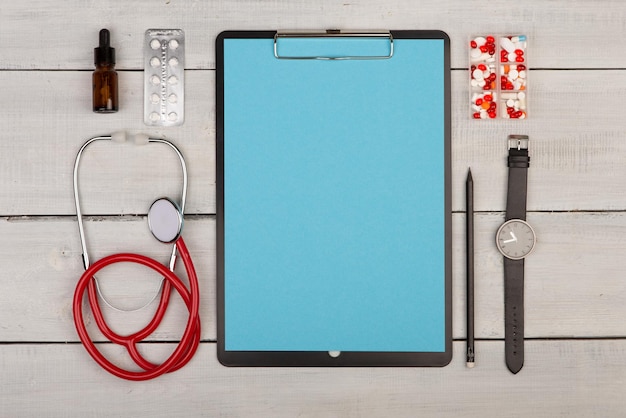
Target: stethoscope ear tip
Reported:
[(138, 139), (118, 137), (141, 139), (165, 220)]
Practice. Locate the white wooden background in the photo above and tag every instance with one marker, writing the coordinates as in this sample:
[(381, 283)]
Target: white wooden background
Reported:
[(575, 281)]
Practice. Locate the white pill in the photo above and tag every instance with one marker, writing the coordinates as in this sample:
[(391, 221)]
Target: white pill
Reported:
[(154, 98), (155, 62), (521, 104), (491, 59), (173, 62), (477, 108), (509, 96), (172, 80), (510, 103), (172, 98), (517, 104), (507, 44), (172, 116), (513, 74), (482, 83), (154, 116), (522, 74), (511, 57), (517, 84), (521, 95), (155, 44), (173, 44), (155, 79), (515, 39), (522, 116), (477, 74), (483, 114), (480, 41), (473, 82), (475, 53)]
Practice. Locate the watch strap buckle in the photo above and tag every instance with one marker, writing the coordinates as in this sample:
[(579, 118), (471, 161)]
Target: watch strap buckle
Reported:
[(518, 142)]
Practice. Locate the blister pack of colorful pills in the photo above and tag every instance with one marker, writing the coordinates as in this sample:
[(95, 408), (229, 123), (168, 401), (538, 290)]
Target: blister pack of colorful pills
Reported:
[(498, 77), (164, 77)]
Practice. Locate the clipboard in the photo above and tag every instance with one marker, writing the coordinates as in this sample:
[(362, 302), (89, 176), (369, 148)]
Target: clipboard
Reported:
[(333, 199)]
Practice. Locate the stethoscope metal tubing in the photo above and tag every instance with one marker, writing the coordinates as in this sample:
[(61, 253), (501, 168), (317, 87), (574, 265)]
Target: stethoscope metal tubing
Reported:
[(79, 214)]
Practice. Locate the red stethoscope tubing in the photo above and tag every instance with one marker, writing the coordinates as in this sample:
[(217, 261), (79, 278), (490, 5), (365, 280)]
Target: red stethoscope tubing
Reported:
[(189, 341)]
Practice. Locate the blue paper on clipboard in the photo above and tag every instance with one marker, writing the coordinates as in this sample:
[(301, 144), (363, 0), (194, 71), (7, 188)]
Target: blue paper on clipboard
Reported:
[(334, 200)]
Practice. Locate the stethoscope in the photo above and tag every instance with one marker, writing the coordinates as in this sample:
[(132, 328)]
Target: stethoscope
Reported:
[(165, 220)]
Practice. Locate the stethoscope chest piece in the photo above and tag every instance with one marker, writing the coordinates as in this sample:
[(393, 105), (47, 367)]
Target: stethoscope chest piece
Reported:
[(165, 220)]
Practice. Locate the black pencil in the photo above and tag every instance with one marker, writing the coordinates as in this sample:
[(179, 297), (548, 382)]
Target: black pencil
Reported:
[(469, 205)]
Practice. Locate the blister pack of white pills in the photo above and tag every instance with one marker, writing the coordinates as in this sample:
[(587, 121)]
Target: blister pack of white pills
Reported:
[(164, 77), (498, 76)]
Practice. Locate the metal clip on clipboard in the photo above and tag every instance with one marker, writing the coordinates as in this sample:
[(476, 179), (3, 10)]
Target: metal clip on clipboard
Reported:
[(333, 33)]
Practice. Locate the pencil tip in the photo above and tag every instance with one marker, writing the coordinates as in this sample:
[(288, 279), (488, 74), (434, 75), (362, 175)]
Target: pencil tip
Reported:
[(469, 173)]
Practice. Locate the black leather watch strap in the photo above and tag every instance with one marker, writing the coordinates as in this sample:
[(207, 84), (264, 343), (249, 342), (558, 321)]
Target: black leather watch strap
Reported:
[(514, 314), (518, 163)]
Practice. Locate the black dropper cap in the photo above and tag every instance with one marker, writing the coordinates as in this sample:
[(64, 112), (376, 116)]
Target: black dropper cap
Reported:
[(104, 54)]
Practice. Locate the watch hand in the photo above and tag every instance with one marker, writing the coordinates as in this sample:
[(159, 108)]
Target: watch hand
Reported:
[(510, 240)]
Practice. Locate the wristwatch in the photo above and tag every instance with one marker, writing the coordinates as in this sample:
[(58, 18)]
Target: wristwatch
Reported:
[(515, 239)]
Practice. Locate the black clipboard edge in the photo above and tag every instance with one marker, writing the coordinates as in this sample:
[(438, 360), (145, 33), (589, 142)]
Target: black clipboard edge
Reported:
[(322, 358)]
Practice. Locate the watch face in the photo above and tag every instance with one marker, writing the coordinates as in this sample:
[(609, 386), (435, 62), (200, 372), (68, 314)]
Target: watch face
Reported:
[(515, 239)]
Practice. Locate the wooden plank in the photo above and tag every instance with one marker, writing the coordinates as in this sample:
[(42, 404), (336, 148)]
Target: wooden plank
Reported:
[(51, 118), (563, 34), (45, 265), (559, 378), (574, 279), (573, 163), (574, 276)]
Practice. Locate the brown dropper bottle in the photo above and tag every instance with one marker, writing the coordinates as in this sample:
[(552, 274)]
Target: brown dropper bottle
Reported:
[(104, 77)]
